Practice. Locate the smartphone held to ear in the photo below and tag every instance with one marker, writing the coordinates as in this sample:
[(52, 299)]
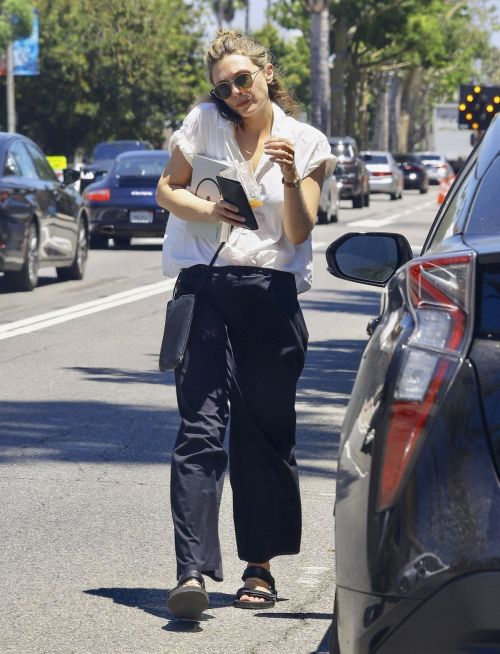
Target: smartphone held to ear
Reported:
[(232, 191)]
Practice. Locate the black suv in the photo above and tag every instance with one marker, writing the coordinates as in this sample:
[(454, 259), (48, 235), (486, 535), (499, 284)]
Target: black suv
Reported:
[(351, 173)]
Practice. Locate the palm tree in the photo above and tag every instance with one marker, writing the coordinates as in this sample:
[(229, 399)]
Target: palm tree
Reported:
[(320, 73)]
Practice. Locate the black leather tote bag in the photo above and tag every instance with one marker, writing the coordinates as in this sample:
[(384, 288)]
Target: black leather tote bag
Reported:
[(178, 319)]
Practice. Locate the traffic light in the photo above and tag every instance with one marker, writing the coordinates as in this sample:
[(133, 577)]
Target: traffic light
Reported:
[(477, 105)]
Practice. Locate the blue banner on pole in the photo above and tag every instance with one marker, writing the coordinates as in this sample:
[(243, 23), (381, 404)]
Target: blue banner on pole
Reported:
[(26, 52)]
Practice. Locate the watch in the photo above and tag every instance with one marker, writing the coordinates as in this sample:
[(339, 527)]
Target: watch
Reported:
[(295, 184)]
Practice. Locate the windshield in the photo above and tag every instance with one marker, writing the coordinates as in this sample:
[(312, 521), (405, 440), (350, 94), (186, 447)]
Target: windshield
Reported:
[(430, 157), (342, 150), (112, 150), (141, 166), (375, 159)]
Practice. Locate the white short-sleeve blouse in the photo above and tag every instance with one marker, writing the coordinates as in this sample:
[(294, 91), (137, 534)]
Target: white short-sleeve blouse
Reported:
[(205, 132)]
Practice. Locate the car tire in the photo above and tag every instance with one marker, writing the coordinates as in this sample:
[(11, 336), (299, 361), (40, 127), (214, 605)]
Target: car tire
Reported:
[(322, 217), (77, 268), (394, 196), (357, 202), (98, 242), (423, 189), (366, 199), (27, 278), (122, 241)]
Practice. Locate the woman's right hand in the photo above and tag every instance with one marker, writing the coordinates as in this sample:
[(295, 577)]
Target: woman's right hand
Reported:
[(225, 212)]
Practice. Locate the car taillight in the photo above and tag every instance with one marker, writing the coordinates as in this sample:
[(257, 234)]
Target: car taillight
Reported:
[(380, 173), (99, 195), (441, 301)]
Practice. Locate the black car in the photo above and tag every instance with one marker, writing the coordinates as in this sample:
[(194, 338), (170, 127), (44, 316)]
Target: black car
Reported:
[(415, 173), (42, 221), (351, 173), (418, 489), (122, 204), (103, 156)]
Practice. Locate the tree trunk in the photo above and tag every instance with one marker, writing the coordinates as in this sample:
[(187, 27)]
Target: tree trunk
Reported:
[(363, 110), (395, 91), (352, 98), (247, 16), (338, 76), (381, 127), (410, 100), (320, 82)]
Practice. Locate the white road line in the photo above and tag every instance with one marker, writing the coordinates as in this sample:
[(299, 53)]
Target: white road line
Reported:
[(376, 222), (33, 324), (380, 222)]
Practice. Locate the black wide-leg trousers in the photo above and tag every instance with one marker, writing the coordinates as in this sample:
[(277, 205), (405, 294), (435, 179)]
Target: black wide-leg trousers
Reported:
[(245, 354)]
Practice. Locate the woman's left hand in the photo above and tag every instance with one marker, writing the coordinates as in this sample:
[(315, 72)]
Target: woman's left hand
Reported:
[(282, 152)]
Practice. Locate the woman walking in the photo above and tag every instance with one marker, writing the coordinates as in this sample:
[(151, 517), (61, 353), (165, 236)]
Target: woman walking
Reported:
[(248, 339)]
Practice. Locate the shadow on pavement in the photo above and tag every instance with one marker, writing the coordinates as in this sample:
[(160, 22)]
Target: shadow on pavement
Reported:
[(154, 602), (360, 302), (99, 431)]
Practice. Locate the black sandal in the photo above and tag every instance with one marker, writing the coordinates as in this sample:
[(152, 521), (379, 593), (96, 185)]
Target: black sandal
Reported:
[(188, 602), (269, 596)]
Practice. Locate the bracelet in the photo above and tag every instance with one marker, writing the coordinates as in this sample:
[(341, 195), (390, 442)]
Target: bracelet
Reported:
[(295, 184)]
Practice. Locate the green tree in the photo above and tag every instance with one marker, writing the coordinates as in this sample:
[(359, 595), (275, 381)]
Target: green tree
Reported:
[(16, 20), (292, 56), (110, 69)]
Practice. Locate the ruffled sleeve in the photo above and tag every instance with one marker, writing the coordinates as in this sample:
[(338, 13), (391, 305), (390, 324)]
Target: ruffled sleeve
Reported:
[(320, 153), (186, 137)]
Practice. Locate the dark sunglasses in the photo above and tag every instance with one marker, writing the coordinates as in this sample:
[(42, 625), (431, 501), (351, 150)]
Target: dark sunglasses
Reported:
[(243, 81)]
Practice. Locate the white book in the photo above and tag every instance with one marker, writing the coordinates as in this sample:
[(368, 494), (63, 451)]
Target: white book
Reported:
[(204, 185)]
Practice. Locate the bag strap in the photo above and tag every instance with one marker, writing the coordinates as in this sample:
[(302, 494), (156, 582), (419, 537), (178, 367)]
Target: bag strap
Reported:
[(209, 268)]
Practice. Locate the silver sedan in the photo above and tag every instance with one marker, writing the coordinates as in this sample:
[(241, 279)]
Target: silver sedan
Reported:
[(384, 174)]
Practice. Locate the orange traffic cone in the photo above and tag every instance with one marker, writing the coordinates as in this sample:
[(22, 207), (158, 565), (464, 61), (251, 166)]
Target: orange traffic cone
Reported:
[(444, 187)]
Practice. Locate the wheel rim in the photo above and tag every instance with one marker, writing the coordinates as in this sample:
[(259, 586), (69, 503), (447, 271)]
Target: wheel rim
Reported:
[(81, 256), (33, 255)]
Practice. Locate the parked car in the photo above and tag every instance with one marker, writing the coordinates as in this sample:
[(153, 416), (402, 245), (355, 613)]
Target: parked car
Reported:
[(329, 201), (351, 173), (103, 156), (384, 174), (42, 220), (418, 500), (414, 172), (437, 166), (122, 204)]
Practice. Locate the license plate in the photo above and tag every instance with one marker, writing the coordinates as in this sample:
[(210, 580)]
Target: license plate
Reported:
[(141, 216)]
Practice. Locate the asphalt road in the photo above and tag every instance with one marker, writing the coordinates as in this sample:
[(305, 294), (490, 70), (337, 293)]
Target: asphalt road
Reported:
[(87, 424)]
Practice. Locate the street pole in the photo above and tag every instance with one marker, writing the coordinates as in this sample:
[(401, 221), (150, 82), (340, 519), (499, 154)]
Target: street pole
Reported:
[(11, 100)]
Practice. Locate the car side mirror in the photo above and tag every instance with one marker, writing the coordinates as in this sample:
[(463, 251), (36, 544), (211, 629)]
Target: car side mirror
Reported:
[(370, 258), (70, 176)]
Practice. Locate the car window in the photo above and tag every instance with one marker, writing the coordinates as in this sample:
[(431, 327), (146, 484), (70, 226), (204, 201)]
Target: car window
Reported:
[(483, 216), (342, 150), (22, 163), (453, 216), (11, 166), (145, 167), (375, 159), (42, 165), (112, 150)]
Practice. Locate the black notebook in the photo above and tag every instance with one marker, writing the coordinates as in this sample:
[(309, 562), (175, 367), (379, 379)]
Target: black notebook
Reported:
[(232, 191)]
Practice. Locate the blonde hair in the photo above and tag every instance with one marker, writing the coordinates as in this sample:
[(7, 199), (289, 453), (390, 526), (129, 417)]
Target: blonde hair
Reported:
[(229, 42)]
